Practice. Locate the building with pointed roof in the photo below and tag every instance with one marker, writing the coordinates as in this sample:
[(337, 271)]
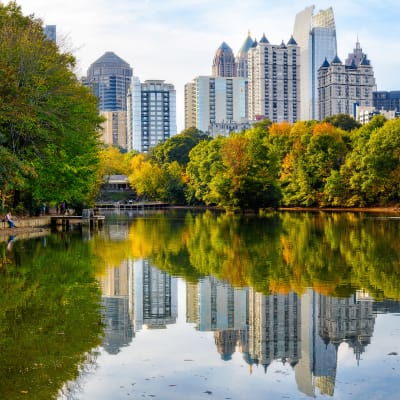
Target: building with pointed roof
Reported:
[(344, 86), (356, 57), (316, 36), (241, 58), (274, 81), (224, 62), (109, 78)]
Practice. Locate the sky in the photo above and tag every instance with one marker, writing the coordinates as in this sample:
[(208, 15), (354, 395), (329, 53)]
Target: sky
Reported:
[(175, 40)]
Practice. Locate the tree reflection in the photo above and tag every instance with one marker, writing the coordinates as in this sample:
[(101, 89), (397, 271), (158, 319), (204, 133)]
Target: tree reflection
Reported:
[(333, 253), (50, 316)]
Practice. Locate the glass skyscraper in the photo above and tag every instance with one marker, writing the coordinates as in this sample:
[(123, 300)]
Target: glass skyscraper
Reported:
[(316, 36), (110, 77)]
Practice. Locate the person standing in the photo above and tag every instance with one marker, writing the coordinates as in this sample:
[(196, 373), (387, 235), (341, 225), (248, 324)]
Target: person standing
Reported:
[(10, 220)]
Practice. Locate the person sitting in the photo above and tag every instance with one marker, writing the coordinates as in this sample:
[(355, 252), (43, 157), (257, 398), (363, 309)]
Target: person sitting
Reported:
[(10, 220)]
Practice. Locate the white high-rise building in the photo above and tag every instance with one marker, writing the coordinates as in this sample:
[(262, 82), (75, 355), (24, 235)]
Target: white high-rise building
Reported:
[(274, 81), (316, 36), (213, 100), (151, 114)]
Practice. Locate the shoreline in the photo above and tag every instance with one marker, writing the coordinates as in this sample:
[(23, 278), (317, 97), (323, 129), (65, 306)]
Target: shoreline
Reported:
[(40, 226)]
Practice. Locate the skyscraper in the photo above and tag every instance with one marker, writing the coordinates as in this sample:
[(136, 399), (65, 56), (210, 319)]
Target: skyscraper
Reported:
[(242, 65), (274, 80), (343, 86), (224, 62), (316, 36), (242, 57), (151, 113), (110, 77), (210, 100)]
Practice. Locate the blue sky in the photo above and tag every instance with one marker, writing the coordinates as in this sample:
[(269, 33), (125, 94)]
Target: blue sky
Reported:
[(175, 40)]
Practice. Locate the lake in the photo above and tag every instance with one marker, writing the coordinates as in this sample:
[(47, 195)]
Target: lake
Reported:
[(202, 305)]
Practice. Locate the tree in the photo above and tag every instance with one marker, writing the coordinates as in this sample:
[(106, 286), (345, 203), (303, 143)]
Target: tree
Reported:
[(205, 163), (382, 163), (312, 160), (343, 121), (155, 182), (48, 121), (177, 148)]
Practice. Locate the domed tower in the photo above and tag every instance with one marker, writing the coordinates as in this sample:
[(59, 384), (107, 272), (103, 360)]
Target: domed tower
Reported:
[(109, 78), (224, 62), (241, 58)]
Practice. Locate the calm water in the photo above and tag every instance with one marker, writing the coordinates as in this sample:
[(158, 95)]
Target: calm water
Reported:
[(204, 306)]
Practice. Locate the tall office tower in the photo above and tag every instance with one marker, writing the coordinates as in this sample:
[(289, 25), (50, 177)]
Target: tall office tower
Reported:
[(316, 36), (151, 114), (242, 66), (242, 57), (190, 105), (210, 100), (274, 81), (110, 77), (224, 62), (51, 32), (342, 87)]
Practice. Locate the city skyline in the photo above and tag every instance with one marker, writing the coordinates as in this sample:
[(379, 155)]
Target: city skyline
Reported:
[(176, 40)]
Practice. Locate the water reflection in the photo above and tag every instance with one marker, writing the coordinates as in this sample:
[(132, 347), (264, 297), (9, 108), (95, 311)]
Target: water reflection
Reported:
[(135, 295), (198, 304), (291, 289), (304, 330)]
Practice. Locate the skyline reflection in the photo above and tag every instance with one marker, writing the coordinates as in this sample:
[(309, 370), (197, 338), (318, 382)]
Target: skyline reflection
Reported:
[(304, 331)]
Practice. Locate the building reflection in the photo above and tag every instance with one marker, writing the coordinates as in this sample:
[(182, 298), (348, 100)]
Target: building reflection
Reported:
[(215, 306), (304, 330), (136, 295)]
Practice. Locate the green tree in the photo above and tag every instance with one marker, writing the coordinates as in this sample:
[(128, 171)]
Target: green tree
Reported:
[(348, 187), (343, 121), (205, 163), (382, 163), (177, 148), (311, 165), (48, 121)]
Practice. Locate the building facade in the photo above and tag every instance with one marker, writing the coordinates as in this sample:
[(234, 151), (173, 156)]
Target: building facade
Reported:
[(151, 114), (210, 100), (274, 81), (386, 101), (343, 87), (109, 78), (316, 36)]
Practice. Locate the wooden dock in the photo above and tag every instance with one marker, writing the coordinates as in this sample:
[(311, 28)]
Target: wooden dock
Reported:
[(94, 221), (137, 206)]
